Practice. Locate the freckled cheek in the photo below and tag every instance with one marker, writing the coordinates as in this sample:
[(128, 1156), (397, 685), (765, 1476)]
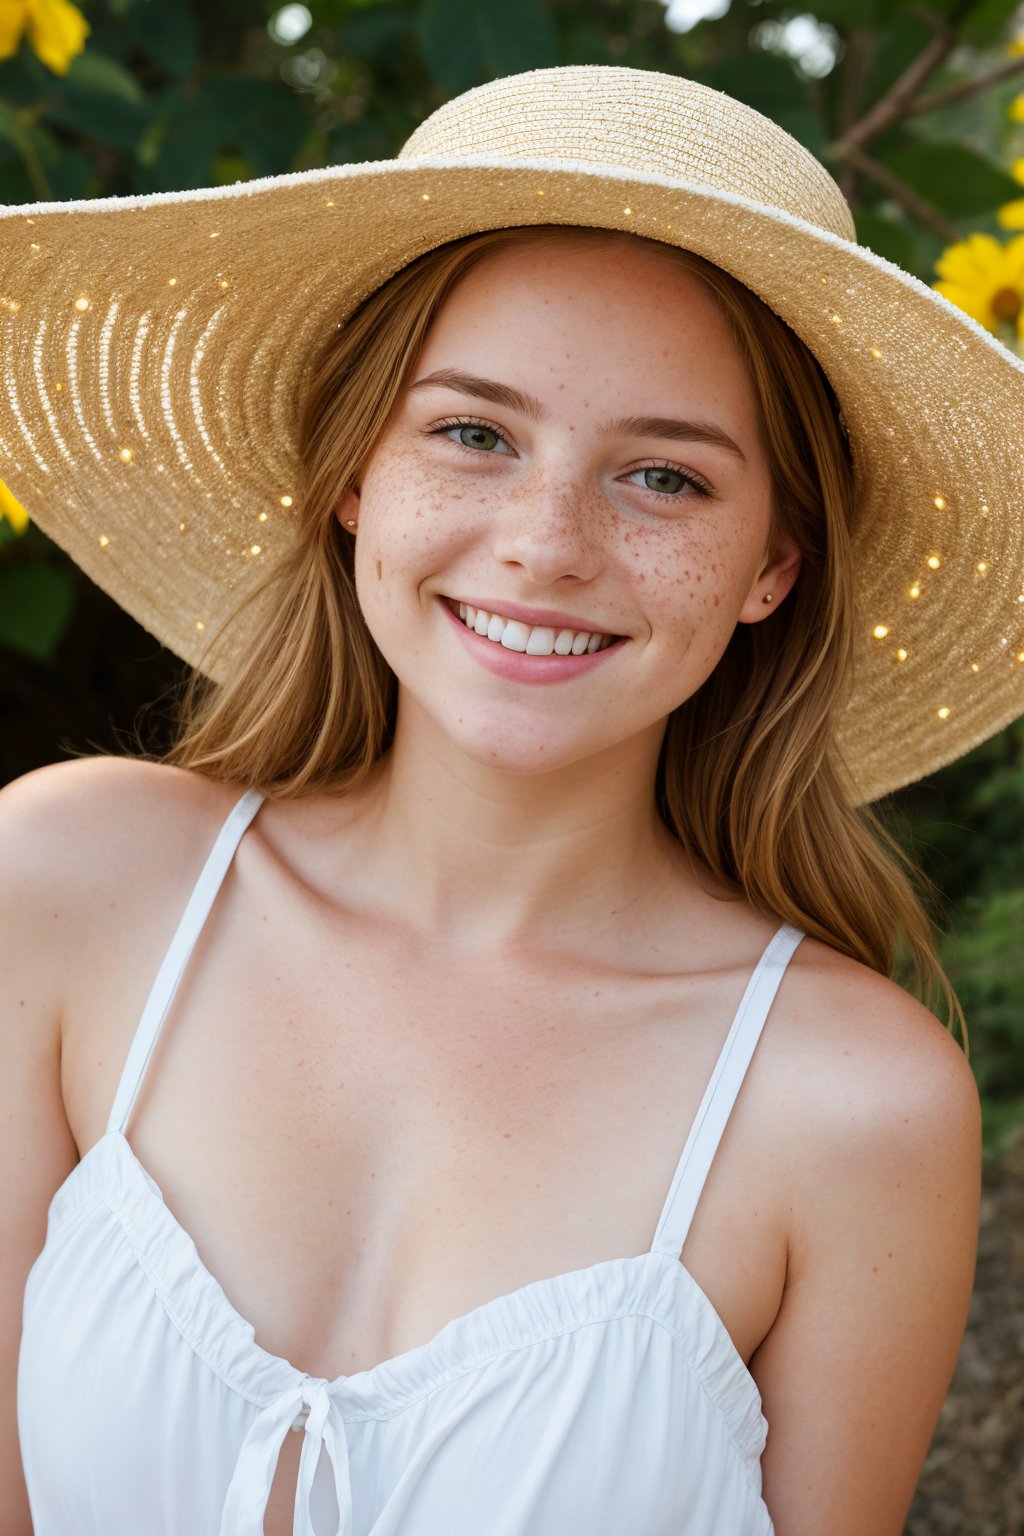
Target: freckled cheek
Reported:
[(693, 589), (411, 524)]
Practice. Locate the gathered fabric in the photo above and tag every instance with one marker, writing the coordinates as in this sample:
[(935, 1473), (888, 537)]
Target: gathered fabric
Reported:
[(609, 1398)]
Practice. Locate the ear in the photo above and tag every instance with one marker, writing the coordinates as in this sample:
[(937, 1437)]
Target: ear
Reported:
[(776, 578), (347, 509)]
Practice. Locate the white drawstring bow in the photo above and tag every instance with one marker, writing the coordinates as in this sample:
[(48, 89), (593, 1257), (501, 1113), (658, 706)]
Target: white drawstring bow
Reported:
[(253, 1476)]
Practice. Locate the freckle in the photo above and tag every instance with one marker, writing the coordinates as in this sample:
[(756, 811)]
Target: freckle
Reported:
[(379, 571), (889, 1255), (111, 905), (21, 1002), (874, 1269), (506, 1135), (419, 512), (717, 601), (54, 914)]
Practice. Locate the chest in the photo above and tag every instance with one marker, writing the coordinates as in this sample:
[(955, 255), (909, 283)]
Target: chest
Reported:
[(364, 1144)]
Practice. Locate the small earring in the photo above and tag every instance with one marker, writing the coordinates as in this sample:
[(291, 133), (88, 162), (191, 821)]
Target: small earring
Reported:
[(350, 522), (767, 598)]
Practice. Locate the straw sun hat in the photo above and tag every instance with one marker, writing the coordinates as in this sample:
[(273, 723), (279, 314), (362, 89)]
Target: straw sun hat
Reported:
[(155, 353)]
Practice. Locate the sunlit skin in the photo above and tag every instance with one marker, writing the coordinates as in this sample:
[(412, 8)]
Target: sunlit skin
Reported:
[(550, 507)]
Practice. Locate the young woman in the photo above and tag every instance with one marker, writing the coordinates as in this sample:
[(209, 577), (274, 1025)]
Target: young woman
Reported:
[(475, 1047)]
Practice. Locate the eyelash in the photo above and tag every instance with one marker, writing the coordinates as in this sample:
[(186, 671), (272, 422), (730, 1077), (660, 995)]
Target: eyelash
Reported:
[(698, 486)]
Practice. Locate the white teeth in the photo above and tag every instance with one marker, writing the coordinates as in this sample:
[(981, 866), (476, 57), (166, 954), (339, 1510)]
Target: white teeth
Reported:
[(540, 643), (533, 639), (514, 636)]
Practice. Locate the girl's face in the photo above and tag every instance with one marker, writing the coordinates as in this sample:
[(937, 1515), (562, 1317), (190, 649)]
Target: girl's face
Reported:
[(577, 455)]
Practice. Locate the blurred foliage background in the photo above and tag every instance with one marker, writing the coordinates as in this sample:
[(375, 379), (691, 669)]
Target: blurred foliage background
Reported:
[(918, 110)]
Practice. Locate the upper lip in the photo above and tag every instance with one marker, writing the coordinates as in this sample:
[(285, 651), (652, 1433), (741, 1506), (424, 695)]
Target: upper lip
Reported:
[(550, 618)]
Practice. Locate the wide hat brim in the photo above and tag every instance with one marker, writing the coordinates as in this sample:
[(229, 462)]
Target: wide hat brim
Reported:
[(156, 352)]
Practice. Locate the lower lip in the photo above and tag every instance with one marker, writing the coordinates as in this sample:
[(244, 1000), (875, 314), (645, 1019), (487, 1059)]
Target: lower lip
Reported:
[(520, 668)]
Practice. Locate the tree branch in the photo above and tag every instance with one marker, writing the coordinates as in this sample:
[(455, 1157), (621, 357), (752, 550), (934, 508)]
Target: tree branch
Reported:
[(893, 106), (926, 212), (966, 88)]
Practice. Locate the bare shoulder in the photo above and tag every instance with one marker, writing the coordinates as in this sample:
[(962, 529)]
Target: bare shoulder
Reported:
[(79, 829), (875, 1066), (86, 814), (877, 1117)]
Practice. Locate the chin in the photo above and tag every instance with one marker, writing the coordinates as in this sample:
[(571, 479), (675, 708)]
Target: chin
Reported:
[(509, 752)]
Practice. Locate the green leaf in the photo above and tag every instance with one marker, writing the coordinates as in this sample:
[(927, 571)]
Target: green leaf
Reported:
[(956, 180), (96, 74), (259, 120), (166, 32), (988, 21), (374, 30), (36, 605), (465, 41), (518, 35), (10, 124), (107, 120), (450, 34)]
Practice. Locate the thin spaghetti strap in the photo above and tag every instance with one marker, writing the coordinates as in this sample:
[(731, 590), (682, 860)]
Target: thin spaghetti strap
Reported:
[(176, 958), (720, 1095)]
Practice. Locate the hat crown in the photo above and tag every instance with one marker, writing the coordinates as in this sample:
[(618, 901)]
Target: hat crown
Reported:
[(636, 121)]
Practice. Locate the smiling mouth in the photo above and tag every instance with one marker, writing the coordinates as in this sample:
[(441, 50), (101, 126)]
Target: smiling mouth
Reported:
[(531, 639)]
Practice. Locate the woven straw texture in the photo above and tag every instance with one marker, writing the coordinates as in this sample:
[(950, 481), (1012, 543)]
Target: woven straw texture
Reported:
[(156, 350)]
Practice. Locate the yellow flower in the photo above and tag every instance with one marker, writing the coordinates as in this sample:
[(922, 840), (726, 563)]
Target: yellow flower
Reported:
[(1011, 215), (56, 30), (1016, 109), (986, 280), (13, 510)]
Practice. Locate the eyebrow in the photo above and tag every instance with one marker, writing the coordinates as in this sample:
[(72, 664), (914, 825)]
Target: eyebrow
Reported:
[(623, 426)]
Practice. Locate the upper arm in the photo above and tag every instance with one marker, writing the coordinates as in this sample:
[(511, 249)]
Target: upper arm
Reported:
[(884, 1224), (37, 1150), (71, 834)]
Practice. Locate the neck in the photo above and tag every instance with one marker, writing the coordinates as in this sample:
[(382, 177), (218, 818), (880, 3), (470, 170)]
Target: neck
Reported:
[(484, 856)]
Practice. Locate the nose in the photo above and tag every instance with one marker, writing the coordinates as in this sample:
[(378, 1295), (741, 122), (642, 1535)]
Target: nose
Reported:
[(550, 529)]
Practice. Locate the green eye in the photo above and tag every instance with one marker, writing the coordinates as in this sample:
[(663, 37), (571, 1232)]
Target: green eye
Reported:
[(666, 480), (478, 437)]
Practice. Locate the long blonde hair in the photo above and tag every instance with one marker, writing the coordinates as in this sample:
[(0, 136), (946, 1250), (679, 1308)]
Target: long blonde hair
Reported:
[(748, 779)]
